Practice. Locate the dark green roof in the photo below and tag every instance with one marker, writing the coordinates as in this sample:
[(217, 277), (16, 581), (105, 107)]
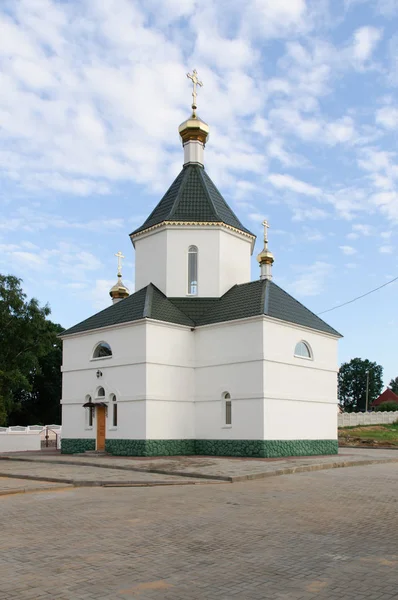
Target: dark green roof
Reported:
[(149, 302), (261, 297), (193, 197)]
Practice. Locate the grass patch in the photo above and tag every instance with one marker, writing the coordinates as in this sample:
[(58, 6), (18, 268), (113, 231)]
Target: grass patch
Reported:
[(376, 435)]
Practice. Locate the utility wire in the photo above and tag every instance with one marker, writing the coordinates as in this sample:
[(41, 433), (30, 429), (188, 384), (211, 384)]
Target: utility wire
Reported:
[(358, 297)]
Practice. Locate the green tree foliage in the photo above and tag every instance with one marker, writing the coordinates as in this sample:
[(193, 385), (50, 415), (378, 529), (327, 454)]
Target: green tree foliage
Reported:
[(387, 407), (26, 338), (40, 404), (394, 385), (352, 380)]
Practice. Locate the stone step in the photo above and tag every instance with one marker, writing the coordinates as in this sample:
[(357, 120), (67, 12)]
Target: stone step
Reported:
[(93, 453)]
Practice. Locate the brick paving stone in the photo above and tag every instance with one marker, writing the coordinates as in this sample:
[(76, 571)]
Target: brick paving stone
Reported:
[(82, 473), (329, 535)]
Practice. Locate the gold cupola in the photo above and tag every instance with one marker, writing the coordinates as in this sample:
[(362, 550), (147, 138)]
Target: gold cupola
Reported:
[(194, 132), (119, 291), (265, 257)]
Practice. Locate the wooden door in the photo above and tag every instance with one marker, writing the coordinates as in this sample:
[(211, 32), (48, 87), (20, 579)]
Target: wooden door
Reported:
[(100, 446)]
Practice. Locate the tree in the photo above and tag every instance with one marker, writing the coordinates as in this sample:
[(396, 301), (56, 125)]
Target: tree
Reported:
[(352, 383), (40, 405), (394, 385), (25, 337)]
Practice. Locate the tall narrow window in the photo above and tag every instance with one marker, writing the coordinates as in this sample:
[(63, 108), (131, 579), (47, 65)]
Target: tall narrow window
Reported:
[(89, 413), (228, 409), (193, 270), (114, 411)]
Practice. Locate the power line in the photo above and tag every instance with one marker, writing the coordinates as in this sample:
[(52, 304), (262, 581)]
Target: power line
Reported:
[(358, 297)]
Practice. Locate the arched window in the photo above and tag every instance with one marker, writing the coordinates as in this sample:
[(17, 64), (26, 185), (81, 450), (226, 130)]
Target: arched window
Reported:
[(101, 350), (100, 393), (227, 408), (193, 270), (114, 411), (89, 413), (303, 350)]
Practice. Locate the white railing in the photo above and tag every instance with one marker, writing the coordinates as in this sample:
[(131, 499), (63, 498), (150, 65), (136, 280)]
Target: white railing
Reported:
[(370, 418)]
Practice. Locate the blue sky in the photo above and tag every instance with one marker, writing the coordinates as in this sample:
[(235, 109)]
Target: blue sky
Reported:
[(301, 98)]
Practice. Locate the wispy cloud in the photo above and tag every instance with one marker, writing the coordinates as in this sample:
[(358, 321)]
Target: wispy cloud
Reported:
[(312, 278), (348, 250)]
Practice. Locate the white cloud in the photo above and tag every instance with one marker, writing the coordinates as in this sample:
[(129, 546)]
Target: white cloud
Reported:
[(386, 249), (287, 182), (339, 131), (276, 19), (365, 42), (363, 229), (312, 213), (348, 250), (388, 117), (312, 279)]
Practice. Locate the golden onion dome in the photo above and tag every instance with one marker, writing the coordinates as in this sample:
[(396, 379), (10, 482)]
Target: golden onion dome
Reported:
[(119, 290), (194, 129), (265, 256)]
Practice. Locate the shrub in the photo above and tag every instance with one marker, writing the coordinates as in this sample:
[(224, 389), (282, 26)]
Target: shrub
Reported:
[(387, 406)]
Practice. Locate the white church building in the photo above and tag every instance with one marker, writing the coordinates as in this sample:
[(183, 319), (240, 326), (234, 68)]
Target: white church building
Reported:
[(199, 359)]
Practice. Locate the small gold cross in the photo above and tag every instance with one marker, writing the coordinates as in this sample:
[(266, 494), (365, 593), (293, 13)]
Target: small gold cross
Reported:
[(120, 257), (195, 82), (266, 227)]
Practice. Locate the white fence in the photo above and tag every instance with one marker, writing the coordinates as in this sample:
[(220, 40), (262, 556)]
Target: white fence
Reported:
[(18, 438), (370, 418)]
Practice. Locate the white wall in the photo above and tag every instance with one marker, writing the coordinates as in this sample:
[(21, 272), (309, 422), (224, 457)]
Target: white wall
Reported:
[(151, 260), (235, 261), (162, 259), (373, 418), (229, 358), (123, 374), (19, 442), (300, 394), (170, 382), (295, 420)]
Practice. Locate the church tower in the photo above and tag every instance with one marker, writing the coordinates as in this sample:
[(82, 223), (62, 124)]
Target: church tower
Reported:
[(192, 244)]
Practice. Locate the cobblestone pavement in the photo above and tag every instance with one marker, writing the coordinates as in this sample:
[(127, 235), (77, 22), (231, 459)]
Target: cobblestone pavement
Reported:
[(212, 466), (81, 473), (324, 535), (12, 486)]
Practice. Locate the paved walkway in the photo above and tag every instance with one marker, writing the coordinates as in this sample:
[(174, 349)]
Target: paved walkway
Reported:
[(183, 469), (18, 486), (324, 535), (84, 475)]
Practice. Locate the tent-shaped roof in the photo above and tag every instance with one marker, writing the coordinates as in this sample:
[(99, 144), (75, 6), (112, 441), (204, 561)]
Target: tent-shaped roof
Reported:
[(194, 198)]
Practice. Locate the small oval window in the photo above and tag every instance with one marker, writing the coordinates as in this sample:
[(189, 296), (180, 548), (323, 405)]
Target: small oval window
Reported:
[(303, 350), (101, 350)]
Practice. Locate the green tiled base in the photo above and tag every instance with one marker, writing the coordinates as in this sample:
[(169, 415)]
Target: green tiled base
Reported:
[(76, 445), (249, 448), (266, 448), (150, 447)]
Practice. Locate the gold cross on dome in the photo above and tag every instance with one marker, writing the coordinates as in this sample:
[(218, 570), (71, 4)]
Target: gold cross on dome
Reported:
[(120, 257), (266, 227), (195, 82)]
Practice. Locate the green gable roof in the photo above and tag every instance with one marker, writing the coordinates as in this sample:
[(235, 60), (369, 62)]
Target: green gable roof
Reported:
[(261, 297), (193, 197)]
